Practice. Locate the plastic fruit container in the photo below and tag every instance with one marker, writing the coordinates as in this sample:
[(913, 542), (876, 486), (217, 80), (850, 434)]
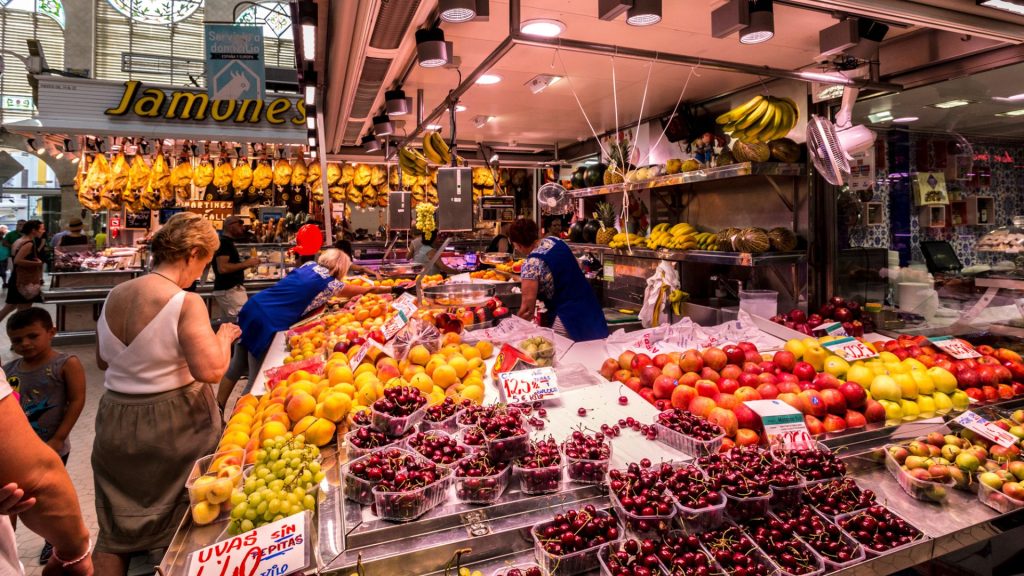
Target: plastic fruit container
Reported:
[(697, 520), (997, 500), (741, 508), (358, 489), (482, 489), (355, 452), (713, 568), (360, 422), (642, 526), (787, 496), (606, 549), (446, 425), (754, 550), (868, 551), (819, 562), (407, 444), (210, 483), (830, 564), (539, 480), (927, 490), (588, 471), (511, 448), (471, 447), (521, 567), (396, 426), (567, 564), (687, 444), (408, 505), (468, 417)]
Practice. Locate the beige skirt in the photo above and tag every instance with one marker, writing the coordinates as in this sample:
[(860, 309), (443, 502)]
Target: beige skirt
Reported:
[(142, 455)]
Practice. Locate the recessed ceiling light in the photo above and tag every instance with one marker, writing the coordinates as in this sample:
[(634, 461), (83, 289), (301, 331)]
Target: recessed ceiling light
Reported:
[(951, 104), (542, 27), (433, 126), (879, 117), (1013, 98), (488, 79), (1012, 6), (905, 119), (1019, 112), (460, 108)]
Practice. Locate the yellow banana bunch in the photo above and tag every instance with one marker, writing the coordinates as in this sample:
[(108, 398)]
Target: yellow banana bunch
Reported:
[(623, 239), (435, 149), (676, 298), (412, 162), (760, 119), (707, 241)]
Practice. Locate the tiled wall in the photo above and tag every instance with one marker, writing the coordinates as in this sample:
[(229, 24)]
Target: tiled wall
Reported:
[(1006, 185)]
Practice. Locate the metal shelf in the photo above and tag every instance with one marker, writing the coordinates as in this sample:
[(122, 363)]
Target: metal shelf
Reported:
[(698, 256), (705, 175)]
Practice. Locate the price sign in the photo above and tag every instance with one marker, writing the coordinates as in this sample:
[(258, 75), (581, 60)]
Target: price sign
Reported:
[(972, 421), (850, 349), (528, 385), (404, 309), (832, 329), (358, 358), (955, 347), (278, 549), (782, 423)]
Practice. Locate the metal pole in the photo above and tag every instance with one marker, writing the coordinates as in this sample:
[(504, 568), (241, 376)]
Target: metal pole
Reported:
[(322, 157)]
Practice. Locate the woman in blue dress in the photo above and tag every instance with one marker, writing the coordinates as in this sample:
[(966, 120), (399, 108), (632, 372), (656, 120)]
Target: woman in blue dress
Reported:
[(552, 275), (305, 289)]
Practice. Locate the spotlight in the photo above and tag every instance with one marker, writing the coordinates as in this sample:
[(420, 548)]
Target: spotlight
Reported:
[(396, 103), (539, 82), (644, 13), (310, 95), (762, 23), (382, 125), (856, 37), (464, 10), (370, 143), (310, 121), (431, 49), (311, 140)]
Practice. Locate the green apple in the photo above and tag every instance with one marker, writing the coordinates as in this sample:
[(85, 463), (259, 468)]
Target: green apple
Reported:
[(960, 399), (943, 379), (883, 387), (991, 479), (942, 402)]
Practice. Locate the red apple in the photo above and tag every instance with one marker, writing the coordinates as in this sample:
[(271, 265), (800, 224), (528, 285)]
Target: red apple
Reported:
[(733, 371), (747, 346), (856, 396), (715, 358), (812, 403), (814, 425), (787, 377), (1018, 388), (1005, 391), (855, 419), (752, 356), (835, 402), (901, 353), (833, 423), (873, 411), (648, 373), (622, 375), (1003, 374), (748, 379), (681, 397), (752, 368), (672, 370), (766, 378), (769, 367), (647, 394), (987, 375), (724, 418), (609, 368), (747, 418), (825, 381), (727, 401), (805, 385), (689, 379), (709, 374), (788, 387), (975, 393), (966, 377), (735, 354), (804, 371), (626, 359), (706, 388), (785, 359), (633, 383), (991, 394), (661, 360), (790, 398), (745, 437), (639, 361), (691, 361), (768, 391), (727, 445), (664, 386), (746, 394), (986, 350), (701, 406), (728, 385)]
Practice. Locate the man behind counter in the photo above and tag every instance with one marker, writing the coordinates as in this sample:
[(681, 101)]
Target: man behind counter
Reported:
[(229, 269)]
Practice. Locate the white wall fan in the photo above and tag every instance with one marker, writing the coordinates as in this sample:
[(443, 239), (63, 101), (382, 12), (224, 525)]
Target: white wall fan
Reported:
[(553, 199), (832, 146)]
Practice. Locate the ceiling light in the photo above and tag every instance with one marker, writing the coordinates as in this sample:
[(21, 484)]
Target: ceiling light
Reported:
[(879, 117), (644, 13), (312, 153), (1013, 98), (480, 121), (310, 95), (59, 155), (1012, 6), (905, 119), (370, 143), (310, 122), (494, 158), (311, 140), (762, 23), (1012, 113), (544, 27), (382, 125), (431, 49), (464, 10), (488, 79), (539, 82), (951, 104), (825, 77), (460, 108), (433, 126), (396, 103), (308, 41)]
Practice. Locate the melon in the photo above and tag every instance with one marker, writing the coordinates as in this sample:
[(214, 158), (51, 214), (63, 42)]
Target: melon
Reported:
[(753, 240), (579, 178), (594, 175), (751, 152), (724, 239), (784, 150), (782, 239)]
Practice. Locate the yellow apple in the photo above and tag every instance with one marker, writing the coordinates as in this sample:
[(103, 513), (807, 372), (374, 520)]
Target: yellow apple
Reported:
[(885, 388), (942, 402), (910, 409), (815, 355), (860, 374), (908, 387), (205, 512), (836, 366), (926, 406), (923, 381), (888, 357), (915, 365), (960, 400), (943, 379), (893, 411), (220, 490), (200, 488), (796, 347)]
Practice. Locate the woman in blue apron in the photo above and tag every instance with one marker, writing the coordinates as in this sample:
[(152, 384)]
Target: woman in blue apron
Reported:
[(552, 275)]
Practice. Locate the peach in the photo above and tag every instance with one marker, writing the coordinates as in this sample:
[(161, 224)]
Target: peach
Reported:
[(299, 404)]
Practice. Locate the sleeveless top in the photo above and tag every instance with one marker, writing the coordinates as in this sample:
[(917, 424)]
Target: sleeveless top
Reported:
[(154, 361), (43, 394)]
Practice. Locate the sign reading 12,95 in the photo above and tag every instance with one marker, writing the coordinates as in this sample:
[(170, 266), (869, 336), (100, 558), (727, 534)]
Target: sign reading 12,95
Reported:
[(850, 349), (276, 549), (527, 385)]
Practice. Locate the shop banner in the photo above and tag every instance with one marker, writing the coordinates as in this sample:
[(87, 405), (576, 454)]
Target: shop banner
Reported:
[(279, 548), (213, 210), (234, 62)]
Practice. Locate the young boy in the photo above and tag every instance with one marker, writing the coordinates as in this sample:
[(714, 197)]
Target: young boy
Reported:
[(51, 384)]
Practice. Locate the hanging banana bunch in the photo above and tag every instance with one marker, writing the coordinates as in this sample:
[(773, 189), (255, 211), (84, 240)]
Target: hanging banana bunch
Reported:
[(348, 172), (412, 161), (337, 193), (435, 149)]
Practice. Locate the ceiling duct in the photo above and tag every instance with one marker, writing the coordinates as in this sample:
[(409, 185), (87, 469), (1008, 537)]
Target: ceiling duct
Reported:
[(370, 82), (392, 23)]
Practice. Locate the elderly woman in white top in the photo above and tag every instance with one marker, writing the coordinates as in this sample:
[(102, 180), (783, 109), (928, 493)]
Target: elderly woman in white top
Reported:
[(158, 413)]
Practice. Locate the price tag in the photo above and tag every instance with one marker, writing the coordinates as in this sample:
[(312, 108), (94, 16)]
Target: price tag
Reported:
[(609, 271), (277, 549), (850, 349), (972, 421), (782, 423), (832, 329), (356, 360), (955, 347), (404, 309), (528, 385)]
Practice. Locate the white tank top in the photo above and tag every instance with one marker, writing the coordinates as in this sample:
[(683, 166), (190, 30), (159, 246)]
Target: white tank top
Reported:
[(154, 361)]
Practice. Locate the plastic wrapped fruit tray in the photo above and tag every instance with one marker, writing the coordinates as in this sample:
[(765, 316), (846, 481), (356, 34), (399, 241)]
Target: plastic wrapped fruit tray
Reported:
[(642, 526), (997, 500), (567, 564), (868, 551), (780, 571), (927, 490), (695, 521), (832, 565), (357, 452), (544, 480), (687, 444), (448, 295), (511, 448), (787, 496), (584, 471), (409, 505), (396, 426), (713, 568), (482, 489), (755, 551)]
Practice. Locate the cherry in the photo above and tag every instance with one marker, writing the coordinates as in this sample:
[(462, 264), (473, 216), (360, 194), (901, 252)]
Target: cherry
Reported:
[(839, 496), (576, 530), (588, 456), (623, 400), (437, 447), (879, 529), (821, 535), (581, 412), (540, 471), (479, 479), (630, 558), (778, 540), (689, 424), (640, 493)]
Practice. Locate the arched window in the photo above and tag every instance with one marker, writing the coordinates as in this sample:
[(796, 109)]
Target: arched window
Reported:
[(22, 20), (157, 41), (276, 20)]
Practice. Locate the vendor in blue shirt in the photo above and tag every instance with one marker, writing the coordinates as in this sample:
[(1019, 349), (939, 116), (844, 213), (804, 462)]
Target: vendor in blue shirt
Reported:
[(552, 275)]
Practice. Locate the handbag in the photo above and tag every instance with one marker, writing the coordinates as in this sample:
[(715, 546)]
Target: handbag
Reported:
[(31, 284)]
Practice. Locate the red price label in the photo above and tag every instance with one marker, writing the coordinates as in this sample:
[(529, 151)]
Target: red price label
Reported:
[(850, 349), (528, 385), (955, 347)]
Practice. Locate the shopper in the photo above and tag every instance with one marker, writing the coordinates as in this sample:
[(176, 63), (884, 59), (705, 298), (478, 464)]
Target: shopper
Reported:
[(101, 239), (423, 251), (305, 289), (73, 236), (554, 227), (157, 415), (5, 254), (552, 274), (346, 247), (27, 275), (48, 504), (51, 384), (229, 269), (501, 243)]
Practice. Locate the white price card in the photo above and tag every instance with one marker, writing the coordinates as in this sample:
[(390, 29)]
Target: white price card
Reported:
[(972, 421), (850, 349), (782, 423), (832, 329), (279, 548), (528, 385), (404, 310), (356, 360), (955, 347)]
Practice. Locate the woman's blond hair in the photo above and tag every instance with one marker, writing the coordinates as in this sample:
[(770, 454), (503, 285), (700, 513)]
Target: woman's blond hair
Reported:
[(336, 261), (182, 234)]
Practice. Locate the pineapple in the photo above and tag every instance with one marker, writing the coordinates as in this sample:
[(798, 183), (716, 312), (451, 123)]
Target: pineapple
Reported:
[(618, 156), (606, 215)]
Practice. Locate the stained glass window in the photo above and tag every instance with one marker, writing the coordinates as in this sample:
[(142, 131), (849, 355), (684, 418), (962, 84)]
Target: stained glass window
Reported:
[(157, 11), (274, 17), (50, 8)]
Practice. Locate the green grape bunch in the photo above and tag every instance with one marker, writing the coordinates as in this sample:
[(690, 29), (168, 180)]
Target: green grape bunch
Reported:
[(283, 482), (425, 218)]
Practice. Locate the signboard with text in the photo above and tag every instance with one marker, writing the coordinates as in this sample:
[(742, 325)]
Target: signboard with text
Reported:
[(279, 548), (850, 349), (783, 424), (972, 421), (955, 347), (234, 62), (215, 211)]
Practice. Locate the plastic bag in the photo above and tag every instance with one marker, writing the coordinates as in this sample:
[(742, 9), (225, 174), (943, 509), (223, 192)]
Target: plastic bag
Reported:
[(656, 296), (526, 336), (688, 334), (279, 374), (650, 341), (416, 332)]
